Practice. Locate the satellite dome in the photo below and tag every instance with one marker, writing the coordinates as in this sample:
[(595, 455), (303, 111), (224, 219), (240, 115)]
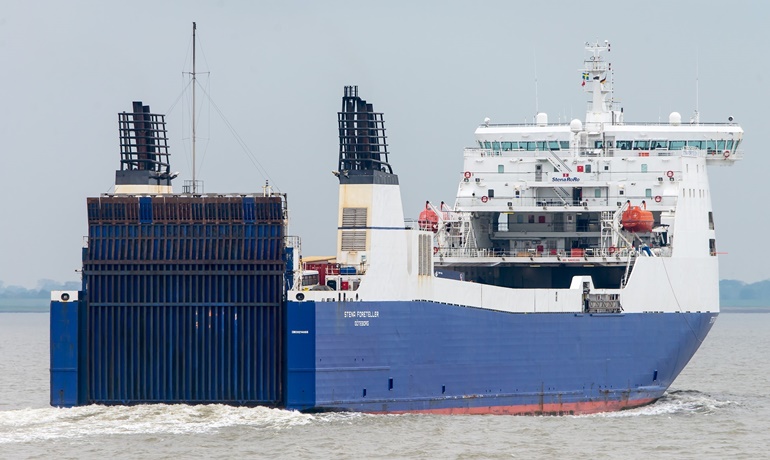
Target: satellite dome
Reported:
[(675, 118)]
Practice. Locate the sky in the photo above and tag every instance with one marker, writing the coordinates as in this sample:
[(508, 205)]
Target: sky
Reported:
[(276, 71)]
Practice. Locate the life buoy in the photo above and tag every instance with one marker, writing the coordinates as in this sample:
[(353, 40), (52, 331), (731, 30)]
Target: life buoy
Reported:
[(467, 174), (658, 199), (670, 174), (613, 249), (727, 154), (484, 199)]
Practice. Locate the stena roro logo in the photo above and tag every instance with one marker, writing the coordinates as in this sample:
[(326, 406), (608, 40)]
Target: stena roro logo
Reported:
[(565, 178)]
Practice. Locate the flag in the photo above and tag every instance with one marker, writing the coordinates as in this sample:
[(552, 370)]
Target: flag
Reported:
[(585, 76), (603, 80)]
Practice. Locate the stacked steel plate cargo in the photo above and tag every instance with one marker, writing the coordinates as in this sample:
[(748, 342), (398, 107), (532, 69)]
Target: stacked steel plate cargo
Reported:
[(576, 272)]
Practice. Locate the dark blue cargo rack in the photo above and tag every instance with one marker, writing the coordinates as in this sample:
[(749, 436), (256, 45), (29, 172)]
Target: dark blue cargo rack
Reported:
[(183, 301)]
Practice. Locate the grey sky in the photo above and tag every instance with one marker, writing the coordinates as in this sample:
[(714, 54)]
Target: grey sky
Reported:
[(436, 69)]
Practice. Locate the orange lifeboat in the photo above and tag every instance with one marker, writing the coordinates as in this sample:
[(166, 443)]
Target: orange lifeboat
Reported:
[(637, 219), (428, 219)]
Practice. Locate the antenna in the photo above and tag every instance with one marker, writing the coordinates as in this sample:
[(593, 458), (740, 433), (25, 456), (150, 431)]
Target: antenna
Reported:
[(537, 109), (194, 187), (697, 85)]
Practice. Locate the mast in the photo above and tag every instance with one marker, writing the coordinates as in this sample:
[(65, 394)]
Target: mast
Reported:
[(194, 183), (597, 80)]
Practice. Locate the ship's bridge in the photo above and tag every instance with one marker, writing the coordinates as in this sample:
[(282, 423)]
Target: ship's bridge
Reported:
[(715, 140)]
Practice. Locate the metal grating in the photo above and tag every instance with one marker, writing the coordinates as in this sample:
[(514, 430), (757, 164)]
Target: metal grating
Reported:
[(354, 217), (425, 250), (143, 140), (363, 144), (353, 240)]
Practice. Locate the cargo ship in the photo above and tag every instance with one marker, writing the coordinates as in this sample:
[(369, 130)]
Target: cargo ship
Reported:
[(575, 273)]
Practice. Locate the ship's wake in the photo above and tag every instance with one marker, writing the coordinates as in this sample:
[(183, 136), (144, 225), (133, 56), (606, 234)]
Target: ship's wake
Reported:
[(30, 425), (678, 402)]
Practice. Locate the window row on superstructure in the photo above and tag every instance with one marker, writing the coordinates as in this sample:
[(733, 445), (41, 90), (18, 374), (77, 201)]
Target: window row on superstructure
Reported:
[(524, 145), (711, 146)]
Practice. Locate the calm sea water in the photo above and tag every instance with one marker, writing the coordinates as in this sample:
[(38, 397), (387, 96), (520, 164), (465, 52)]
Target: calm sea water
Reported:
[(718, 408)]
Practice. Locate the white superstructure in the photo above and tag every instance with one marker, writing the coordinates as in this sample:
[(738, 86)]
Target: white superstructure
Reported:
[(541, 221)]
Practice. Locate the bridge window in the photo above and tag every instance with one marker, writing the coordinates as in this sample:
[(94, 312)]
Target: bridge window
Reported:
[(530, 146), (541, 146), (676, 145), (598, 144), (623, 145), (553, 145), (507, 146), (658, 145), (696, 144), (729, 145), (711, 146), (641, 145), (496, 146), (564, 145)]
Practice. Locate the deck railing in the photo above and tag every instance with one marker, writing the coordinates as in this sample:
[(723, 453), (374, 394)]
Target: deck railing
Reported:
[(568, 255)]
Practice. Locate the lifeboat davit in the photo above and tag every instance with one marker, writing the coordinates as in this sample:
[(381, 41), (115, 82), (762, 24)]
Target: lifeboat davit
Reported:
[(637, 219), (428, 219)]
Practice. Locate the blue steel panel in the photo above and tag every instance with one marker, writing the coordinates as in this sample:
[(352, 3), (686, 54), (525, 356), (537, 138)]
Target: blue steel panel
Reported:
[(184, 354), (248, 209), (64, 336), (446, 356), (184, 300), (145, 209), (301, 355)]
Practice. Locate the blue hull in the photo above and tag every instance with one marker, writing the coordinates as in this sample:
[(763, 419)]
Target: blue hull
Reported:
[(420, 356)]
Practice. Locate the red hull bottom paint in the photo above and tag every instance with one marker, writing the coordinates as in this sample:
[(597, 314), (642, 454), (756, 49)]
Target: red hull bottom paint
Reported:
[(578, 408)]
